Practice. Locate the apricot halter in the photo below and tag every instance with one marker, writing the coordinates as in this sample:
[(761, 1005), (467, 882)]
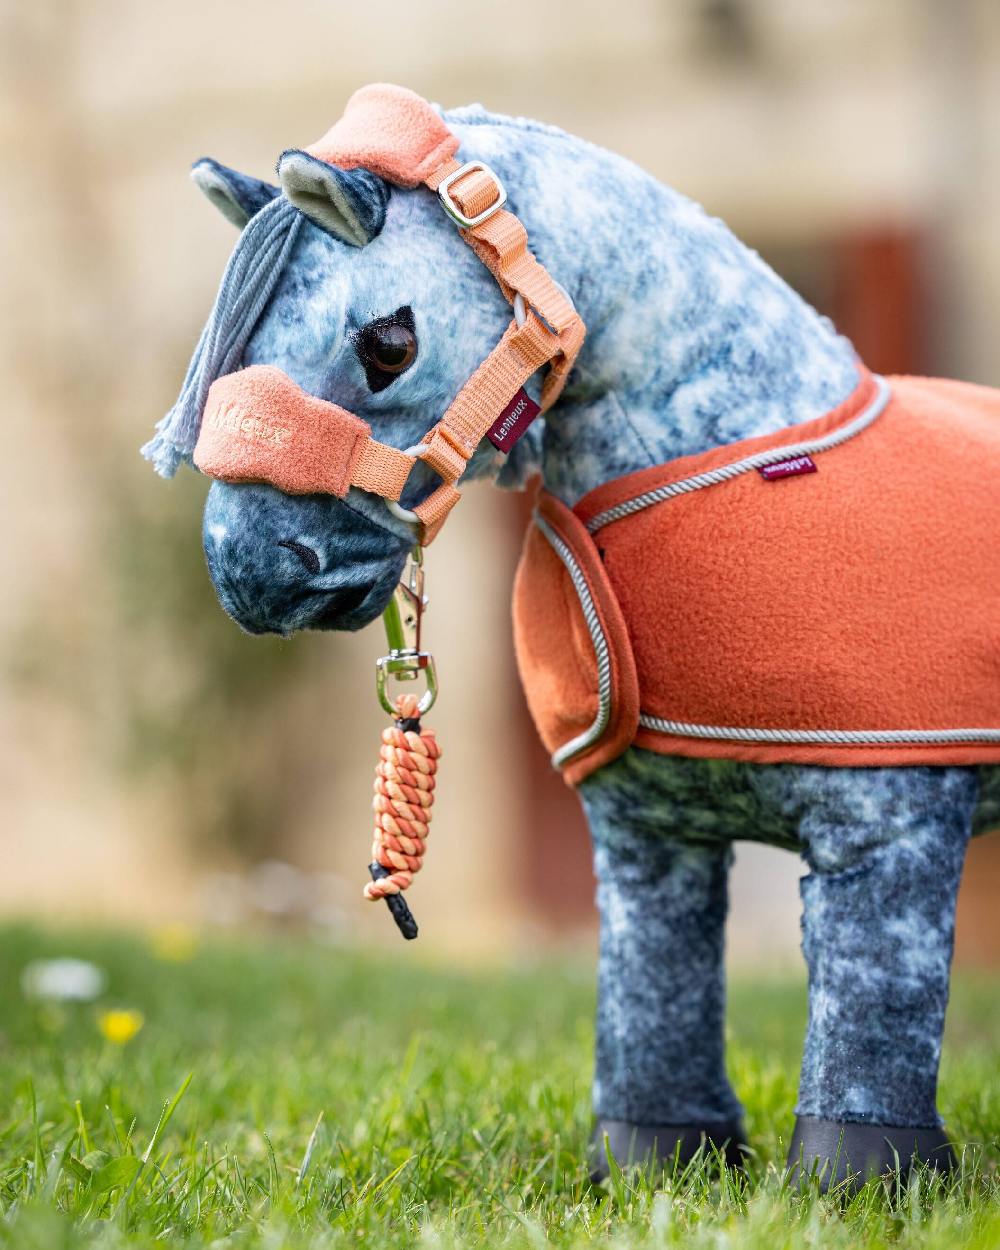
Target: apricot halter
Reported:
[(259, 426)]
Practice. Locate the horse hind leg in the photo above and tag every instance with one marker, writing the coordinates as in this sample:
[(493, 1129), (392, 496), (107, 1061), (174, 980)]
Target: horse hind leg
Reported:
[(885, 849)]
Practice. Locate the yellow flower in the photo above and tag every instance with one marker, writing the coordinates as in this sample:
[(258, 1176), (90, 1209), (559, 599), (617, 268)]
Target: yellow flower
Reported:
[(174, 943), (120, 1027)]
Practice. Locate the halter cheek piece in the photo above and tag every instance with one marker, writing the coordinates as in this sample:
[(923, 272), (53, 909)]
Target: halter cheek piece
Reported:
[(259, 426)]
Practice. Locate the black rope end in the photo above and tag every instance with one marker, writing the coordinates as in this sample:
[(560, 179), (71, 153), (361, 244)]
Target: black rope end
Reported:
[(397, 905)]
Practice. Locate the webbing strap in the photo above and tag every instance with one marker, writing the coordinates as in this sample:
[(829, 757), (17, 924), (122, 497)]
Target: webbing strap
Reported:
[(433, 512), (501, 243), (552, 333), (381, 469), (521, 351), (453, 441)]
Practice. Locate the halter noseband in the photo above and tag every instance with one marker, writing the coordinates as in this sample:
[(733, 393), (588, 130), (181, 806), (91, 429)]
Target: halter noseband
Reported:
[(259, 426)]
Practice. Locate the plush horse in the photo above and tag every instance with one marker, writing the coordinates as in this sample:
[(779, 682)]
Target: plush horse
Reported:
[(759, 600)]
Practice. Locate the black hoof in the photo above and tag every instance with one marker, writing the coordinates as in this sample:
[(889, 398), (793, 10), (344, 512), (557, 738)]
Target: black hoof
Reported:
[(645, 1144), (836, 1150)]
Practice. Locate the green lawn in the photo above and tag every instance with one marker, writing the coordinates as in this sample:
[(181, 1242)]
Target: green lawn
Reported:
[(452, 1109)]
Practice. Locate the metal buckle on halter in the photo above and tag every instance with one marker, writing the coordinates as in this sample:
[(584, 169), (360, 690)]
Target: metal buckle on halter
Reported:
[(452, 209)]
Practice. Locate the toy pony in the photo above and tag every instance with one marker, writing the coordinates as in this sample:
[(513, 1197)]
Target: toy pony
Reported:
[(760, 597)]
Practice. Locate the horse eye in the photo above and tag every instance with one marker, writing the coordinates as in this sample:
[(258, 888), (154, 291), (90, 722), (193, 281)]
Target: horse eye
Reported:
[(392, 347), (387, 347)]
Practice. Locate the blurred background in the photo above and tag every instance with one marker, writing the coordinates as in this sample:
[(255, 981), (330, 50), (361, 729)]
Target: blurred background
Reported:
[(158, 766)]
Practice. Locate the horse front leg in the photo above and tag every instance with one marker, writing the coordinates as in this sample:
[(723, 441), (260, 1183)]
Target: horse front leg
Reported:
[(660, 1084), (885, 849)]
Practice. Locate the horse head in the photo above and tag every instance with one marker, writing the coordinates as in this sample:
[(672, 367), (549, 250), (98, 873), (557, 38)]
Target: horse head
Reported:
[(375, 305), (387, 317)]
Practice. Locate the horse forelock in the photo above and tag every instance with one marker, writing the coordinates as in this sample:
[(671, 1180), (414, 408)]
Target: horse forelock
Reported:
[(249, 279)]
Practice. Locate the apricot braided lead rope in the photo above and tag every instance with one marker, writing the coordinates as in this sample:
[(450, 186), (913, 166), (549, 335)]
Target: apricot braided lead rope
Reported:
[(404, 796)]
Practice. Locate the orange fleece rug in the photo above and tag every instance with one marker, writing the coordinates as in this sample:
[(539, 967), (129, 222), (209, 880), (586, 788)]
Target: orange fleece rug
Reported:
[(836, 605)]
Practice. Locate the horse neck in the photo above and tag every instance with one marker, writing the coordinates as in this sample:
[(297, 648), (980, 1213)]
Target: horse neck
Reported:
[(693, 341)]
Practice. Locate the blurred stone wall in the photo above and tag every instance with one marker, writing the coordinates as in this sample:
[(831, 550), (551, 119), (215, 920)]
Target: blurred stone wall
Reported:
[(150, 751)]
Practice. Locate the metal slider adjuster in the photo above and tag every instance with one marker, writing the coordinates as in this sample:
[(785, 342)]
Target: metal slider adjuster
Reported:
[(452, 209)]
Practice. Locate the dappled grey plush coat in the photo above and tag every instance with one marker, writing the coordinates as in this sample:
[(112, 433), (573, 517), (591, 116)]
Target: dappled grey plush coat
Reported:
[(693, 342)]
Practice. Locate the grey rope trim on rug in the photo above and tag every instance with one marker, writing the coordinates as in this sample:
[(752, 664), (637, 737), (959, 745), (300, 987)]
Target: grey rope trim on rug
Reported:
[(823, 737), (758, 460), (591, 735)]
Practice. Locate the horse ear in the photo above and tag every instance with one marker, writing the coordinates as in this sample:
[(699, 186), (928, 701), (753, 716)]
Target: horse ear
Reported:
[(237, 196), (348, 203)]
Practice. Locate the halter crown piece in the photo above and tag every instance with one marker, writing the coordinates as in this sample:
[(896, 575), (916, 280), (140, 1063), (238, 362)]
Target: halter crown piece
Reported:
[(259, 426)]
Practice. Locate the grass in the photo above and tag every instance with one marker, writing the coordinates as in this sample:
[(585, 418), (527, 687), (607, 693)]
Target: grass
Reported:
[(344, 1099)]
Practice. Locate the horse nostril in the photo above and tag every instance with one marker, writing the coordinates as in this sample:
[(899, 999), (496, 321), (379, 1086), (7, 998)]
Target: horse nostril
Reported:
[(306, 554)]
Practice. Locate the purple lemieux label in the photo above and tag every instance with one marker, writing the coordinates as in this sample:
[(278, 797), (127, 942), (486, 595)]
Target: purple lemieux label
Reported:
[(787, 468), (513, 421)]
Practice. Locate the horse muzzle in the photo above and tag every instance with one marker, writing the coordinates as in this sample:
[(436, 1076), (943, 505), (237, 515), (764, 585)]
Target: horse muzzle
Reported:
[(282, 563)]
